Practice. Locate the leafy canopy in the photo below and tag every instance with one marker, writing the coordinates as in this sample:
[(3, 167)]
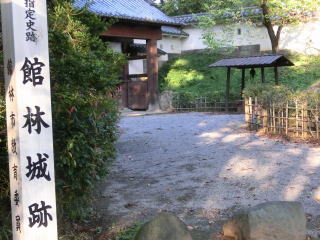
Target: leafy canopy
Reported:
[(280, 12), (179, 7)]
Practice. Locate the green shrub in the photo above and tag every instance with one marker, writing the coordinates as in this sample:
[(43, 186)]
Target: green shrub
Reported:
[(267, 93), (280, 95), (5, 218), (311, 97), (84, 74)]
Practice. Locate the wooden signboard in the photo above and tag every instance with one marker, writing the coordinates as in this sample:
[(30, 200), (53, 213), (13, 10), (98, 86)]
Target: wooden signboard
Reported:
[(29, 119)]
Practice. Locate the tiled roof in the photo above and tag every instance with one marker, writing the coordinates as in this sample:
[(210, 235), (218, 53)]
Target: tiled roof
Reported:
[(193, 18), (137, 10), (256, 61), (189, 18), (173, 31)]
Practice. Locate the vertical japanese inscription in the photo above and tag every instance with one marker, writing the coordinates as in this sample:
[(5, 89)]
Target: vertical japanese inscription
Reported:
[(38, 169), (15, 172), (14, 146), (18, 223), (16, 198), (11, 93), (32, 71), (29, 120), (34, 120), (9, 67), (30, 17), (12, 119), (39, 214)]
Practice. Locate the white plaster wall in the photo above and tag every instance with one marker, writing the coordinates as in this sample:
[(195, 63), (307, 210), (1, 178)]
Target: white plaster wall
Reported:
[(170, 44), (140, 41), (116, 46), (136, 66), (302, 38), (163, 58), (194, 41), (250, 35)]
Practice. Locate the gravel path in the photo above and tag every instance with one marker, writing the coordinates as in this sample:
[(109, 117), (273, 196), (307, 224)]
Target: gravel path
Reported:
[(204, 167)]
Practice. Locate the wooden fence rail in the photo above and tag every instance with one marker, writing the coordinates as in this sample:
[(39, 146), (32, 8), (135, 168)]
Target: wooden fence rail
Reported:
[(204, 104), (292, 118)]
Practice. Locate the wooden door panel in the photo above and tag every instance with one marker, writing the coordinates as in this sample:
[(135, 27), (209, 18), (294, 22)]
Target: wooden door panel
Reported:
[(138, 95)]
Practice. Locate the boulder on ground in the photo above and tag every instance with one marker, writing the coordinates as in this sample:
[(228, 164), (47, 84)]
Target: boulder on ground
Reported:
[(268, 221), (166, 98), (164, 227)]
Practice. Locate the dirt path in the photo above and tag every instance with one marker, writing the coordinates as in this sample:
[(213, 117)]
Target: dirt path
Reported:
[(203, 167)]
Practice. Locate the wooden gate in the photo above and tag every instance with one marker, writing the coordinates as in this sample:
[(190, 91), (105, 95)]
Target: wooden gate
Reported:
[(138, 92)]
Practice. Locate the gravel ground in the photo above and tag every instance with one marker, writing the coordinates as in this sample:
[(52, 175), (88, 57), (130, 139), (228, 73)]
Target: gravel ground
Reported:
[(204, 167)]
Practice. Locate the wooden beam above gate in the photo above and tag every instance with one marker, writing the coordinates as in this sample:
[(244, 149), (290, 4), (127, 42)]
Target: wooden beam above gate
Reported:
[(134, 31)]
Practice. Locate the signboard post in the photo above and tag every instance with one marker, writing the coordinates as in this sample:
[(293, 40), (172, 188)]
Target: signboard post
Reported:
[(29, 120)]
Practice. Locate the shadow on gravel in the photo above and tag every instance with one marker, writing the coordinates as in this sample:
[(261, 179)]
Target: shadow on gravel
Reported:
[(203, 168)]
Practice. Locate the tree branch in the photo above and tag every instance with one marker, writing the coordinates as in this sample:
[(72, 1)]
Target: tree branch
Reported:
[(279, 32)]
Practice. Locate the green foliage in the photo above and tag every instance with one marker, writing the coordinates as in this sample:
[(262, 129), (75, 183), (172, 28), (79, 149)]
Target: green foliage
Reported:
[(269, 93), (191, 76), (5, 218), (129, 233), (179, 7), (304, 74), (84, 75), (281, 95), (299, 83), (287, 11), (280, 12), (216, 40)]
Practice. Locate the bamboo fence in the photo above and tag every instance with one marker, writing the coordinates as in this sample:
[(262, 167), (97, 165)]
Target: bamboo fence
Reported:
[(296, 119), (204, 104)]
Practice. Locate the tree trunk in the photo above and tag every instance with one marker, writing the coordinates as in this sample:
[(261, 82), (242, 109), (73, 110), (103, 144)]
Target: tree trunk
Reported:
[(152, 69), (274, 37)]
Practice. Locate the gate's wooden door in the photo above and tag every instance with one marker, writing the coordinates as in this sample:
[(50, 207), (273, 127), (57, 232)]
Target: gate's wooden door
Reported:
[(138, 95)]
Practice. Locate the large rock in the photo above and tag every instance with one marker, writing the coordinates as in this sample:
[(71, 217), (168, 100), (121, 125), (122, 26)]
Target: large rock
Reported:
[(164, 227), (166, 100), (268, 221)]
